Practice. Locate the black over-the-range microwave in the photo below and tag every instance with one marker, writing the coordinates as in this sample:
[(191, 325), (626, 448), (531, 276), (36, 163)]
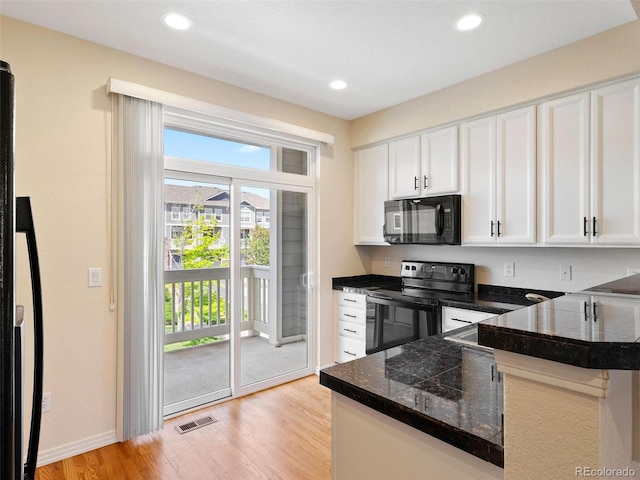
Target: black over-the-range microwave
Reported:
[(428, 220)]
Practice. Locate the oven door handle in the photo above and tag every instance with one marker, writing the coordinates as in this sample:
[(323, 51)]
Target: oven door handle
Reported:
[(394, 302)]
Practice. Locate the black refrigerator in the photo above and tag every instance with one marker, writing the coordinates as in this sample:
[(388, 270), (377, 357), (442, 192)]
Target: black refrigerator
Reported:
[(16, 217)]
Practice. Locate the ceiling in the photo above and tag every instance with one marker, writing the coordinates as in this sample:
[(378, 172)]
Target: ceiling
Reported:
[(388, 51)]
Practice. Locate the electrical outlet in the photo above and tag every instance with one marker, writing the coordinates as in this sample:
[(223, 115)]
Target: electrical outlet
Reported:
[(632, 270), (509, 269), (46, 402), (565, 272), (387, 262)]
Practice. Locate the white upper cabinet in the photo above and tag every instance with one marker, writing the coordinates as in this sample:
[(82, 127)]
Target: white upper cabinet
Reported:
[(371, 191), (424, 165), (499, 179), (591, 167), (439, 162), (479, 181), (565, 170), (404, 168), (516, 177), (615, 159)]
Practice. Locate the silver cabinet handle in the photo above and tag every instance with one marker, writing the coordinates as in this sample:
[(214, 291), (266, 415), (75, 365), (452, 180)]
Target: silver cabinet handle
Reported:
[(349, 330), (349, 353), (350, 315)]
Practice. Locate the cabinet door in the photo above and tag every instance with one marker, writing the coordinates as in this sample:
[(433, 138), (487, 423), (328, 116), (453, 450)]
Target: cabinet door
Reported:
[(479, 173), (404, 168), (565, 170), (371, 167), (516, 177), (615, 157), (439, 162)]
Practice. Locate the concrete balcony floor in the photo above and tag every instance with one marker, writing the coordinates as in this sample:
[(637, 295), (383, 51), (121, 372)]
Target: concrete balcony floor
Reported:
[(196, 371)]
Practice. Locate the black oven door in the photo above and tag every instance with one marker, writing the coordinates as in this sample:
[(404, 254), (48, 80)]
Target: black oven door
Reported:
[(391, 323)]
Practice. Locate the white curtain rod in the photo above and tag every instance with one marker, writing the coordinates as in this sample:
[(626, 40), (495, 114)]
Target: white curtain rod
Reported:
[(178, 101)]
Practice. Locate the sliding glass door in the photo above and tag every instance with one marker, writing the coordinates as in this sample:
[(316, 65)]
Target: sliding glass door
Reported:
[(197, 287), (274, 264), (238, 283)]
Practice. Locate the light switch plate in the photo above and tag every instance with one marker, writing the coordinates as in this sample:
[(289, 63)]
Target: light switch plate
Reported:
[(565, 272), (95, 277)]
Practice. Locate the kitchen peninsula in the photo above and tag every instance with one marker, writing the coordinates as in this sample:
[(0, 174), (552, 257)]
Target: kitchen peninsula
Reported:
[(433, 409)]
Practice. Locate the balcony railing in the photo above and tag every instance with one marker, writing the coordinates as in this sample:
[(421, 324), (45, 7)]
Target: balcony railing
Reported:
[(198, 302)]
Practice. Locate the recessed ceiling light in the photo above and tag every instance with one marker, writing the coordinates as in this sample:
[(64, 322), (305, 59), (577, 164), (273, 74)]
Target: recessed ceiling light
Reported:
[(338, 84), (469, 22), (176, 21)]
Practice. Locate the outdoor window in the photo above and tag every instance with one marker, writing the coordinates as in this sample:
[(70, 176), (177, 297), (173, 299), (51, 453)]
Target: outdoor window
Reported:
[(245, 215), (207, 147), (218, 214), (175, 213), (208, 213), (186, 213)]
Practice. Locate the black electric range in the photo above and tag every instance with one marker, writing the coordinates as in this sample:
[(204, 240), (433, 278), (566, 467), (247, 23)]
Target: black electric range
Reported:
[(425, 283), (398, 314)]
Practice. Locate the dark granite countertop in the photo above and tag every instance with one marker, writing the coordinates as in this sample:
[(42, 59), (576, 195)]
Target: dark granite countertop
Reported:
[(447, 390), (596, 328), (452, 392)]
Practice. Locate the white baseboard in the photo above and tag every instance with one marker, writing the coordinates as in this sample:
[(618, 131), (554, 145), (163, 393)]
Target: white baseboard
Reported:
[(76, 448)]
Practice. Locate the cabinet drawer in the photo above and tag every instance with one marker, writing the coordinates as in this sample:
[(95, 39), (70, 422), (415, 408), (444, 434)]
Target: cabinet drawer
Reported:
[(353, 330), (348, 314), (453, 318), (350, 349), (353, 300)]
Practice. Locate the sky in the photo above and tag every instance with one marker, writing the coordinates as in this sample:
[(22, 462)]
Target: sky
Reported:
[(210, 149)]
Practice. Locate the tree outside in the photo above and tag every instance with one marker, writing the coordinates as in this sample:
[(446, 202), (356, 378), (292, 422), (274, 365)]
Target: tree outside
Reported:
[(197, 303)]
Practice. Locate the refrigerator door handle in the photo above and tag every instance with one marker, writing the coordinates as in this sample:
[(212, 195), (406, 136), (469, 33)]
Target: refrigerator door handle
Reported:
[(24, 224)]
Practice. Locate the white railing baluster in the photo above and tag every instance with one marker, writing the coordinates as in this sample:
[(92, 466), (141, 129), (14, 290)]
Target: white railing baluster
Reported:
[(210, 286)]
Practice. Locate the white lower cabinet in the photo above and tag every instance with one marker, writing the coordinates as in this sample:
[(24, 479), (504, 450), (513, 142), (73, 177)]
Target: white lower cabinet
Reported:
[(351, 313), (453, 317)]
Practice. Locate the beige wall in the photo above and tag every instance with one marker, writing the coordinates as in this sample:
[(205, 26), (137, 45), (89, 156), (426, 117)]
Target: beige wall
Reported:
[(62, 153), (609, 55)]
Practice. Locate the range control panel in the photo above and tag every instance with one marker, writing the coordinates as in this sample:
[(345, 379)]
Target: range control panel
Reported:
[(424, 274)]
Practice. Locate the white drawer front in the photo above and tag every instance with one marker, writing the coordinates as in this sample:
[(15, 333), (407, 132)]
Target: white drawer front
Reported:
[(354, 330), (453, 318), (353, 300), (348, 314), (350, 349)]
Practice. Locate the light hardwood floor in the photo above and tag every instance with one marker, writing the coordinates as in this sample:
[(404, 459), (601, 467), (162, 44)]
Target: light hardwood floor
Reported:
[(282, 433)]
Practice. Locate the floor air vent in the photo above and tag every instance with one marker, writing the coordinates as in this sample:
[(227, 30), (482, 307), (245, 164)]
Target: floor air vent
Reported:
[(200, 422)]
